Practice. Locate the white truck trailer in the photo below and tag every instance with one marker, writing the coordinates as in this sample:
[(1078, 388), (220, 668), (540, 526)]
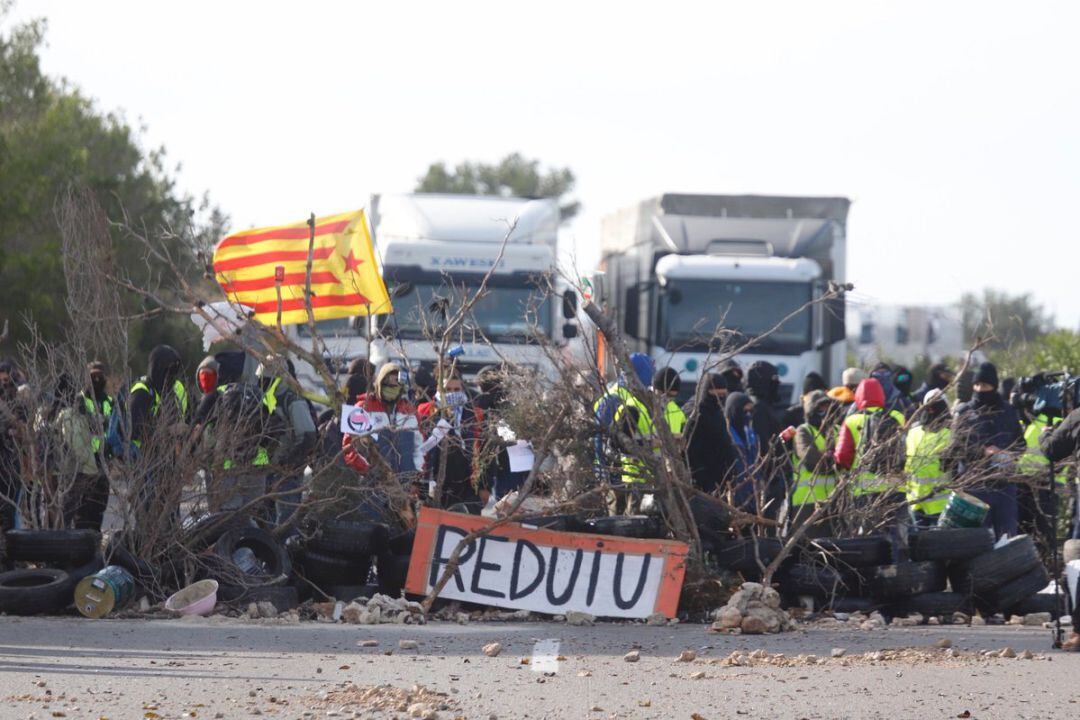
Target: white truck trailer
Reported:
[(436, 247), (677, 267)]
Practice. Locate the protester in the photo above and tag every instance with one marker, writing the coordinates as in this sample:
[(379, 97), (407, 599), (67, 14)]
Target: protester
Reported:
[(795, 415), (158, 395), (708, 447), (459, 473), (394, 421), (1062, 445), (206, 375), (605, 409), (843, 395), (815, 468), (851, 378), (83, 487), (1035, 499), (745, 481), (763, 387), (733, 375), (986, 440), (871, 445), (927, 444), (499, 439), (666, 383), (903, 380), (938, 377), (894, 399)]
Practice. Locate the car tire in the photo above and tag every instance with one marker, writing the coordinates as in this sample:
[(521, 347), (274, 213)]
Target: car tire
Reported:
[(348, 593), (849, 604), (344, 538), (950, 544), (820, 581), (742, 555), (713, 521), (326, 571), (628, 526), (995, 568), (34, 592), (856, 552), (561, 523), (892, 582), (391, 572), (1012, 593), (61, 547), (204, 532), (269, 551), (1041, 602)]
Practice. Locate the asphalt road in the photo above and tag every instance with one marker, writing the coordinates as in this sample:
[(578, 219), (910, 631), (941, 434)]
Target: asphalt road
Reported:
[(218, 668)]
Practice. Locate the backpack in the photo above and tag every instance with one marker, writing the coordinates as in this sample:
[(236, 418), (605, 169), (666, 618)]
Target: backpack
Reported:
[(883, 444)]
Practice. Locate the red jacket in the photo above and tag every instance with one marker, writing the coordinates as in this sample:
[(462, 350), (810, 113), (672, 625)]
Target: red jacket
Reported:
[(868, 395)]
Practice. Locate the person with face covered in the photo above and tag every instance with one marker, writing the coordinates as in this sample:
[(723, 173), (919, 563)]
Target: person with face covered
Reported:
[(744, 481), (78, 474), (763, 387), (927, 465), (938, 377), (815, 470), (461, 475), (987, 439), (732, 373), (894, 399), (159, 398), (795, 415), (708, 446), (396, 424)]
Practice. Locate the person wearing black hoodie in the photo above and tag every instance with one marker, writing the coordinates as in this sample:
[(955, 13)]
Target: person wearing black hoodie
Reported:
[(796, 414), (708, 447), (986, 439), (763, 387), (732, 373), (745, 481), (159, 393), (938, 377)]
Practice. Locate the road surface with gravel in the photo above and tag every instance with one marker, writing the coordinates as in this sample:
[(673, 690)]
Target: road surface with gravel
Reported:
[(223, 668)]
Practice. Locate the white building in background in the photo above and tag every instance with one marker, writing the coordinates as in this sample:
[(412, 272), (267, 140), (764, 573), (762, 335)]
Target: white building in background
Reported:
[(904, 333)]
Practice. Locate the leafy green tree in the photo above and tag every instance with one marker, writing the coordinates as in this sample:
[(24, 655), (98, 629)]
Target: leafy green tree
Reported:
[(53, 137), (513, 176), (1012, 319), (1058, 350)]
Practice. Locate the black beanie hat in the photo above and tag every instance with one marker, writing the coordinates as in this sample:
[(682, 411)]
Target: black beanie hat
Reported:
[(667, 379), (987, 374), (717, 382)]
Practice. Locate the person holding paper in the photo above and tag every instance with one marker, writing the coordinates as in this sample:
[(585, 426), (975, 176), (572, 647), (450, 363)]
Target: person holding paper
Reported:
[(454, 424)]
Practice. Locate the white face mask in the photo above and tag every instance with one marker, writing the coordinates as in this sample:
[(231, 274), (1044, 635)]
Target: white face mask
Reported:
[(455, 399)]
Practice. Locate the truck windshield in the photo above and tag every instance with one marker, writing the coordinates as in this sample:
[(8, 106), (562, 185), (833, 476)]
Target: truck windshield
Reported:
[(690, 311), (338, 327), (507, 313)]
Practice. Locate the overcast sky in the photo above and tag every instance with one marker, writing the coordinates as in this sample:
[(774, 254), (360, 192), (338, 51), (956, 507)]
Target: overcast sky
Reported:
[(952, 126)]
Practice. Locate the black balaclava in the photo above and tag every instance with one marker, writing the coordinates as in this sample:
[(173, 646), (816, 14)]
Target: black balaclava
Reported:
[(163, 367), (733, 375), (963, 386), (99, 380), (936, 377), (715, 381), (988, 374), (902, 380), (666, 379), (763, 381), (936, 414), (813, 381)]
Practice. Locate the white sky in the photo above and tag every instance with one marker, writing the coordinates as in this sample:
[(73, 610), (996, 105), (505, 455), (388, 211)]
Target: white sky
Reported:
[(952, 126)]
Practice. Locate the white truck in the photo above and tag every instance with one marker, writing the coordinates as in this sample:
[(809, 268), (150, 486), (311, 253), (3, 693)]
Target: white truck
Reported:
[(677, 268), (435, 247)]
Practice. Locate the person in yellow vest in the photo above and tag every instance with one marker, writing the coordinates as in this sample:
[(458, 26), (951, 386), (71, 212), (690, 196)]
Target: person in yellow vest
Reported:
[(927, 466), (636, 437), (812, 459), (158, 398), (607, 406), (666, 383), (1034, 497), (871, 445)]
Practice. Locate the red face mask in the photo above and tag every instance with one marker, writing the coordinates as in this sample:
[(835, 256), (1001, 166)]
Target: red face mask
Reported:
[(207, 380)]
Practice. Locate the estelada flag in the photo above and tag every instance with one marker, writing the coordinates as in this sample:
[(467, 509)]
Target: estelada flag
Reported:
[(344, 278)]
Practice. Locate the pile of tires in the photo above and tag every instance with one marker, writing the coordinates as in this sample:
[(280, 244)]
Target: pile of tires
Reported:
[(837, 573), (61, 558), (1005, 579), (336, 558), (251, 566)]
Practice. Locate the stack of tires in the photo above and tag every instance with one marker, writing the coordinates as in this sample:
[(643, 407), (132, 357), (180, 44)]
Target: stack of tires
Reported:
[(837, 572), (335, 561), (60, 559), (251, 566), (1005, 579)]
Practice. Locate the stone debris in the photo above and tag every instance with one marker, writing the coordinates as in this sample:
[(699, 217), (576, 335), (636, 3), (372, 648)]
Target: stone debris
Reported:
[(408, 645), (1037, 619), (367, 643), (417, 702), (657, 619), (1026, 655), (906, 656), (1007, 653), (632, 657), (579, 618), (687, 656), (875, 622), (838, 652), (978, 620), (909, 621), (943, 643), (700, 675), (376, 610), (492, 649), (752, 610)]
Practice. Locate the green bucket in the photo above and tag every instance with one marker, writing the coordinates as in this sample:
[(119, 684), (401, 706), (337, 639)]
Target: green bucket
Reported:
[(963, 511), (99, 594)]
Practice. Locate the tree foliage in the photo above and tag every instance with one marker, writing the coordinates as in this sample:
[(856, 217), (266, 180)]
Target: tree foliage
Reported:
[(53, 137), (1010, 319), (513, 176), (1058, 350)]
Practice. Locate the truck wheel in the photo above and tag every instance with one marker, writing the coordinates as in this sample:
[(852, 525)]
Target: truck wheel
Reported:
[(954, 544), (1018, 589), (857, 552), (34, 592), (891, 582), (62, 547), (995, 568)]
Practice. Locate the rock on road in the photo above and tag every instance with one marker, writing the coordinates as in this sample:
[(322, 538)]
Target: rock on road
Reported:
[(221, 668)]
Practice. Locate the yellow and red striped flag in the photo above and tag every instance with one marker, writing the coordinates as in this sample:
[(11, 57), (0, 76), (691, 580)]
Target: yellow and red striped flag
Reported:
[(345, 281)]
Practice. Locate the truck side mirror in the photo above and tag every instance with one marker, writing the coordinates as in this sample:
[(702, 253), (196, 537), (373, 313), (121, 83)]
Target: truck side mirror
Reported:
[(569, 331), (401, 290), (631, 304), (569, 304)]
